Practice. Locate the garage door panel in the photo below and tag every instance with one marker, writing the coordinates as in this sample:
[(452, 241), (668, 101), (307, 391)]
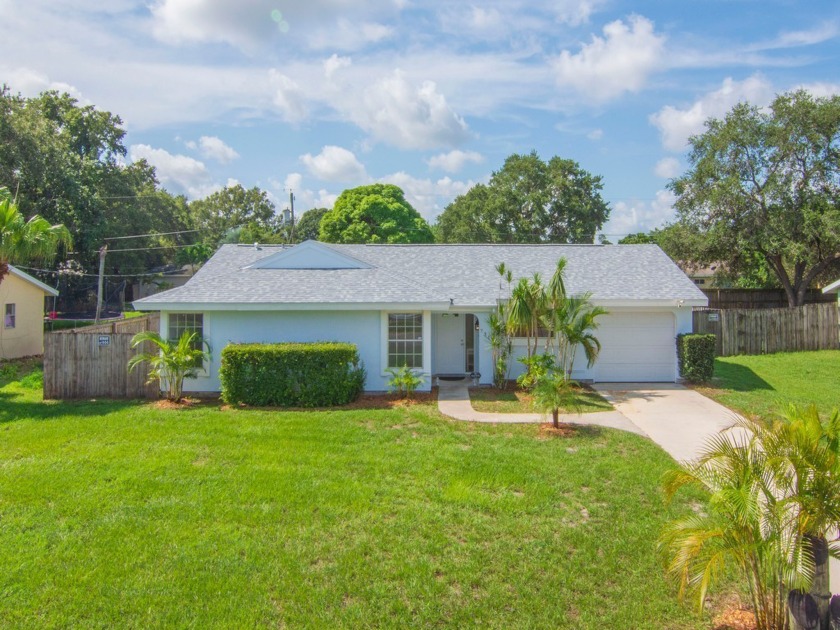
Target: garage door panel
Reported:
[(636, 347)]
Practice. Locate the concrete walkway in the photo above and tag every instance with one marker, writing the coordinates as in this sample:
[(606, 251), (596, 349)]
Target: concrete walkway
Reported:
[(454, 401)]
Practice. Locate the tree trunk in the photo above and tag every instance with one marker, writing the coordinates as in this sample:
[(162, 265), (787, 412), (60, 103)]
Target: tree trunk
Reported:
[(834, 612), (820, 587), (555, 416), (803, 611), (4, 270)]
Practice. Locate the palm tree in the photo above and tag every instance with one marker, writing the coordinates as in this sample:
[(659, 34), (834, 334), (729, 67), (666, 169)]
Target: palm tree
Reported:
[(525, 310), (553, 392), (578, 323), (171, 361), (774, 500), (23, 241)]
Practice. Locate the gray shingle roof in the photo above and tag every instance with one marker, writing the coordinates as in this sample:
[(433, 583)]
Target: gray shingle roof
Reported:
[(464, 274)]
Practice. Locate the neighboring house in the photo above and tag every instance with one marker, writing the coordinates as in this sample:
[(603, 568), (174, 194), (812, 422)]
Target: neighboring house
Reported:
[(22, 309), (167, 278), (834, 287), (427, 305), (703, 277)]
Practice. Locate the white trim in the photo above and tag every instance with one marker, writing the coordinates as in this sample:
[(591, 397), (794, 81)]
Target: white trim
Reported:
[(205, 325), (402, 307), (25, 276), (425, 370), (834, 287)]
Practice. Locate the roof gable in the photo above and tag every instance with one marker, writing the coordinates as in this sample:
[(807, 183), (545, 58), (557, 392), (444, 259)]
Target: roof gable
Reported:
[(309, 255), (26, 277)]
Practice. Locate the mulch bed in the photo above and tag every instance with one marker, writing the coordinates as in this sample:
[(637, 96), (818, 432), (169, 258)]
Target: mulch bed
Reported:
[(548, 430)]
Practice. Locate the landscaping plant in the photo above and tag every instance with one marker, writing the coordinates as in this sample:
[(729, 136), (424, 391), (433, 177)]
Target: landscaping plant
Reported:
[(171, 361), (404, 381), (553, 392), (774, 498), (320, 374)]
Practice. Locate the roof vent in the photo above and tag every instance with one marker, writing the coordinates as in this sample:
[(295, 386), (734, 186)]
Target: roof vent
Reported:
[(256, 245)]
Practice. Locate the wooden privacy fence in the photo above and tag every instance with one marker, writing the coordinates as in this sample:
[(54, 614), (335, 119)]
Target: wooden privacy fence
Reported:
[(760, 298), (91, 362), (763, 331)]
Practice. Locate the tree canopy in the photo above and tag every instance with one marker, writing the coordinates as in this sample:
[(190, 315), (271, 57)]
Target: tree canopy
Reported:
[(22, 241), (764, 186), (309, 225), (377, 213), (64, 162), (230, 208), (528, 201)]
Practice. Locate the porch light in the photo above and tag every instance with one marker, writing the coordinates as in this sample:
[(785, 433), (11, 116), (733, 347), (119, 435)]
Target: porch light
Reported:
[(477, 327)]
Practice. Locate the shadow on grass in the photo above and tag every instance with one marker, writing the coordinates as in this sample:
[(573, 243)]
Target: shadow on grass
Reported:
[(15, 407), (738, 378)]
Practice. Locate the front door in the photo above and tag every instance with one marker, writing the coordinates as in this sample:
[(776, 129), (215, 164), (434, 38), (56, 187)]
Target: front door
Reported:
[(449, 343)]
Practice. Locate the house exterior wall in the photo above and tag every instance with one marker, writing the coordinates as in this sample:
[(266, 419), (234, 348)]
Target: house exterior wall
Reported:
[(27, 337), (363, 328), (367, 330)]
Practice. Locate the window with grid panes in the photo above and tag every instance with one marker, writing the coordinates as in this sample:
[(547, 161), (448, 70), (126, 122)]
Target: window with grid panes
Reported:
[(405, 340), (179, 323)]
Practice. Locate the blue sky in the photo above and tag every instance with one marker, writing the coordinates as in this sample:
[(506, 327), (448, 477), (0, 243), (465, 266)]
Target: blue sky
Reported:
[(323, 95)]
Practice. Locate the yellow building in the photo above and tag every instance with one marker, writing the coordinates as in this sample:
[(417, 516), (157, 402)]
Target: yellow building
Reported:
[(22, 312)]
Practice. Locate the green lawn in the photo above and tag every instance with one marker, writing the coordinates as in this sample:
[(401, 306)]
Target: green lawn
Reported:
[(123, 514), (764, 384), (513, 400)]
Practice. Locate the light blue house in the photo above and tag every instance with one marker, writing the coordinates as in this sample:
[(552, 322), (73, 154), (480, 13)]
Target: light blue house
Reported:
[(426, 305)]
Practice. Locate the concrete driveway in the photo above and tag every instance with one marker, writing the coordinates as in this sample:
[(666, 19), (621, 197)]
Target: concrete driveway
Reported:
[(678, 419)]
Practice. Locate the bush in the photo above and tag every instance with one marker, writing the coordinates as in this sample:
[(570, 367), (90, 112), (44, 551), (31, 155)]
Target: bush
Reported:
[(404, 381), (696, 354), (536, 368), (291, 374)]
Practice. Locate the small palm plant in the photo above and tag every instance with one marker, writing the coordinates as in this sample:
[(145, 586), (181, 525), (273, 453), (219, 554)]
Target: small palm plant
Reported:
[(774, 499), (171, 361), (553, 392)]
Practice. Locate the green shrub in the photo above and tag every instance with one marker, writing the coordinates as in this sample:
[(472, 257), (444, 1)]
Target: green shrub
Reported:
[(404, 381), (536, 367), (319, 374), (696, 354)]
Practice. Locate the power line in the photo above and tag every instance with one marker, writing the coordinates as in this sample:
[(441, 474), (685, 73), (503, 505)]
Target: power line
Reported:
[(93, 275), (145, 249), (117, 238)]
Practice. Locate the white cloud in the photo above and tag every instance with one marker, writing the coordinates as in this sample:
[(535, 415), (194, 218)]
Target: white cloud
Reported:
[(289, 97), (305, 198), (177, 173), (575, 12), (31, 83), (214, 148), (677, 125), (667, 168), (429, 197), (335, 63), (407, 116), (629, 217), (595, 134), (455, 160), (335, 164), (616, 63), (820, 89)]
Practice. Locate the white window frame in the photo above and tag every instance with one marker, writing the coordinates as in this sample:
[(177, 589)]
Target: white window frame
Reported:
[(205, 369), (6, 313), (426, 339)]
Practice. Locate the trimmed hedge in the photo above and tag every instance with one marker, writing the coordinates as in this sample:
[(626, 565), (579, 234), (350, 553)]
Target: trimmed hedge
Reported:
[(696, 354), (319, 374)]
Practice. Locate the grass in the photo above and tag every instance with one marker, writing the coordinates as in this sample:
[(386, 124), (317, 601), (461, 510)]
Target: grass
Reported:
[(764, 384), (514, 400), (124, 514)]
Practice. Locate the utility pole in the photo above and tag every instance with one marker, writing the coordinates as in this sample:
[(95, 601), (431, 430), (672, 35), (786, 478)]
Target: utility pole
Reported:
[(102, 251), (292, 207)]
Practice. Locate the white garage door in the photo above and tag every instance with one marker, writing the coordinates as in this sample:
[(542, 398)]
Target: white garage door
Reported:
[(636, 347)]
